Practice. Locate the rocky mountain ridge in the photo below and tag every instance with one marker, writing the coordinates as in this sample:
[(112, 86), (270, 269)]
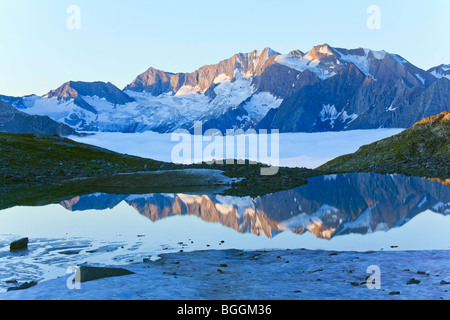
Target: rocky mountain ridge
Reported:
[(15, 121), (324, 89)]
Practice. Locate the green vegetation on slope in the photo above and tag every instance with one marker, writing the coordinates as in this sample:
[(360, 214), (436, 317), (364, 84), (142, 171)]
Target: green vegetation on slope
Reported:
[(422, 150), (40, 158)]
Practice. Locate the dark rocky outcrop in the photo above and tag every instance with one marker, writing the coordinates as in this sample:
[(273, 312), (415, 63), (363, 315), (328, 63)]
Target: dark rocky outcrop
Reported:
[(23, 286), (15, 121), (86, 273), (18, 245)]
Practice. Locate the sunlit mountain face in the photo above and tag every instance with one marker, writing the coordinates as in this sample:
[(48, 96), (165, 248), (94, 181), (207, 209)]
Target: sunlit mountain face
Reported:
[(328, 206), (324, 89)]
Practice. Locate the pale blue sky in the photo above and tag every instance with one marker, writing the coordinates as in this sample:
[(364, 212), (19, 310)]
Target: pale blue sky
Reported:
[(120, 39)]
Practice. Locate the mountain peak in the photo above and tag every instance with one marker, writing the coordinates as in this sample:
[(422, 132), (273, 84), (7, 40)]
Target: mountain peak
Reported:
[(64, 91), (327, 88), (296, 53), (325, 49), (319, 52), (76, 89), (269, 51), (441, 71)]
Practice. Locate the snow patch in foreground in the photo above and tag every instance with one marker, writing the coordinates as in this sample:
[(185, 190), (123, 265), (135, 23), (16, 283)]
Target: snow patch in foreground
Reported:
[(244, 275)]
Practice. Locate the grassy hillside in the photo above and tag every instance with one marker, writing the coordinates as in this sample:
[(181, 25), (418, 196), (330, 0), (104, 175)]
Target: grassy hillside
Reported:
[(40, 158), (423, 150)]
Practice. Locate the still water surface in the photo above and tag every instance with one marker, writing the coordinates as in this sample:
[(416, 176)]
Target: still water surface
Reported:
[(349, 212)]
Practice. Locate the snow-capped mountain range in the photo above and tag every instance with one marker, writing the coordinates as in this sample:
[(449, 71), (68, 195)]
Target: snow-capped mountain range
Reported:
[(325, 89)]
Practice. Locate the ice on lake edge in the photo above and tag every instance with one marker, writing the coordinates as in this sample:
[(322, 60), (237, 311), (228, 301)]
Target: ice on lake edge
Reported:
[(268, 275)]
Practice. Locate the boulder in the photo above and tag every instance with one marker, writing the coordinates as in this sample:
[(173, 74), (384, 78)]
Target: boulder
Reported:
[(413, 281), (85, 273), (23, 286), (18, 245)]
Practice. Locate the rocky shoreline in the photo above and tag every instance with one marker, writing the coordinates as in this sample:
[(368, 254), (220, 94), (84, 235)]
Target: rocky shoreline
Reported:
[(267, 274)]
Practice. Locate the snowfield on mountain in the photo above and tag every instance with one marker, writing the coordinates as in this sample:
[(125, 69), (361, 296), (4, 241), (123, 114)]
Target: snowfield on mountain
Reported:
[(325, 89)]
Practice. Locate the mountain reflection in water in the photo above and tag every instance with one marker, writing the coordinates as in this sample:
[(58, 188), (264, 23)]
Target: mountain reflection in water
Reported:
[(327, 206)]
